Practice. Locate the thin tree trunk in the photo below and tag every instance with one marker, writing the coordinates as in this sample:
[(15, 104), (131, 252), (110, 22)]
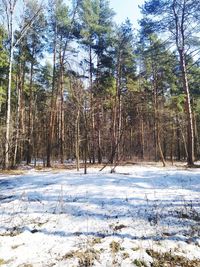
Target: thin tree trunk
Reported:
[(158, 147), (180, 43), (119, 130), (183, 138), (17, 117), (61, 130), (30, 117), (172, 145), (8, 115), (53, 105), (86, 141), (178, 140), (196, 137), (116, 116), (142, 137), (99, 135), (77, 141), (92, 105), (157, 130), (113, 130), (190, 128)]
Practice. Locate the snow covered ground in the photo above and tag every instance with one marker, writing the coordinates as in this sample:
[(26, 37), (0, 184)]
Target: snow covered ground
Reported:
[(66, 218)]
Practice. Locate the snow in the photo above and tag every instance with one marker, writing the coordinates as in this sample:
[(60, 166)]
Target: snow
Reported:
[(48, 218)]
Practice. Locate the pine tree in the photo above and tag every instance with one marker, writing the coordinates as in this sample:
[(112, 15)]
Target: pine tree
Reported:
[(179, 19)]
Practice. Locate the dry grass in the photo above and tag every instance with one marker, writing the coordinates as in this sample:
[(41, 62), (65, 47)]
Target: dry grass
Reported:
[(85, 257), (169, 260), (12, 172), (115, 247)]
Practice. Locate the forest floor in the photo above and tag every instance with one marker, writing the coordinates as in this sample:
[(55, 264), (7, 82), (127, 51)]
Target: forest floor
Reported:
[(137, 216)]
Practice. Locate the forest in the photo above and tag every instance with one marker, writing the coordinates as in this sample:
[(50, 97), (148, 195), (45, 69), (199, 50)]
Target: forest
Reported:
[(76, 85), (99, 134)]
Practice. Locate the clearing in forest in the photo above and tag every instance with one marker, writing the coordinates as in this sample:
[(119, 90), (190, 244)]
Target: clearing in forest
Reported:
[(137, 216)]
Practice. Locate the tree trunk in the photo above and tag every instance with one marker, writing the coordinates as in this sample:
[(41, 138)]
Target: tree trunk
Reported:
[(158, 146), (190, 128), (61, 123), (8, 115), (142, 137), (86, 141), (99, 135), (113, 131), (77, 141), (92, 106), (19, 90), (30, 117), (183, 138), (53, 105), (178, 137), (119, 128), (196, 137)]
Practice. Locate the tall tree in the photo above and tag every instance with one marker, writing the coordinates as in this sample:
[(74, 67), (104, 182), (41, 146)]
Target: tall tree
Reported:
[(62, 30), (179, 18), (159, 71), (124, 76), (96, 22), (10, 10), (35, 46)]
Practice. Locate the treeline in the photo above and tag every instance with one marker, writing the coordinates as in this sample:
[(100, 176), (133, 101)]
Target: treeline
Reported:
[(75, 85)]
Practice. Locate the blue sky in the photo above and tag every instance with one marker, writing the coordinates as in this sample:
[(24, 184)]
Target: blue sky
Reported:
[(126, 8)]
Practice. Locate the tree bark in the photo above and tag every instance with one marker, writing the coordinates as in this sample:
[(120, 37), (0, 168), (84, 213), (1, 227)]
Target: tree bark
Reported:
[(92, 105), (158, 147), (8, 114), (30, 116), (53, 104), (77, 141), (19, 92), (61, 117), (190, 128)]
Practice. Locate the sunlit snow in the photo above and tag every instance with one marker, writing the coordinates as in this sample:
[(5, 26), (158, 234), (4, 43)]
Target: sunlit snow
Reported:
[(47, 216)]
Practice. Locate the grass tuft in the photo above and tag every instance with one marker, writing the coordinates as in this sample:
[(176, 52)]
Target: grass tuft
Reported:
[(85, 258), (115, 247), (169, 260), (139, 263)]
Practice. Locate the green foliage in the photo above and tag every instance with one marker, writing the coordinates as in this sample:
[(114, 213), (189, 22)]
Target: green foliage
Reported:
[(90, 17), (166, 16), (45, 76), (177, 103), (106, 86), (96, 17), (124, 57), (3, 52), (3, 66), (158, 66), (2, 94), (194, 77), (62, 16), (197, 106), (96, 23)]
